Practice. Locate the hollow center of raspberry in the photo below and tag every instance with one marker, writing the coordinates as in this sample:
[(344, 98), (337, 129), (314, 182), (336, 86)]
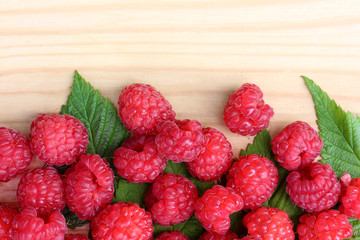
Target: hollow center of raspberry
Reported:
[(305, 174)]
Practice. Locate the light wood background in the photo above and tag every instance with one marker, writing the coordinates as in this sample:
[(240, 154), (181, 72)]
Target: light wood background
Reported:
[(195, 52)]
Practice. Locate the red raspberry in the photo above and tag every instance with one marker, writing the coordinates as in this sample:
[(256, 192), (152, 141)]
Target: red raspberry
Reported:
[(350, 199), (254, 178), (229, 235), (215, 160), (89, 186), (269, 223), (175, 235), (58, 139), (142, 107), (171, 199), (76, 237), (29, 226), (15, 154), (326, 225), (138, 161), (314, 188), (122, 221), (296, 146), (246, 113), (42, 189), (180, 141), (7, 215), (215, 206), (250, 238)]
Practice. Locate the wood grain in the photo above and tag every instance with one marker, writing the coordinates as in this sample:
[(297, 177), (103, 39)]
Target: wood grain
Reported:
[(195, 52)]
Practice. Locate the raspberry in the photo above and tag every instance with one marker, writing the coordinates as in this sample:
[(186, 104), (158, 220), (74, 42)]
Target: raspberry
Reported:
[(138, 161), (215, 160), (254, 178), (314, 188), (15, 154), (250, 238), (42, 189), (180, 141), (142, 107), (58, 139), (7, 215), (269, 223), (326, 225), (246, 113), (76, 237), (296, 146), (350, 199), (215, 206), (229, 235), (29, 226), (175, 235), (171, 199), (122, 221), (89, 186)]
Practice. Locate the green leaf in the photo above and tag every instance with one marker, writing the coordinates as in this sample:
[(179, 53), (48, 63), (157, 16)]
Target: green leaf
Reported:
[(72, 220), (106, 131), (192, 228), (340, 132), (355, 223), (236, 223), (279, 199), (130, 192)]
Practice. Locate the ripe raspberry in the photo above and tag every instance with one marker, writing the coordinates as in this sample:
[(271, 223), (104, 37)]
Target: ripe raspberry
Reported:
[(269, 223), (175, 235), (350, 199), (296, 146), (122, 221), (58, 139), (215, 206), (15, 154), (171, 199), (250, 238), (246, 113), (215, 160), (180, 141), (314, 188), (229, 235), (7, 215), (142, 107), (29, 226), (138, 161), (42, 189), (254, 178), (89, 186), (76, 237), (326, 225)]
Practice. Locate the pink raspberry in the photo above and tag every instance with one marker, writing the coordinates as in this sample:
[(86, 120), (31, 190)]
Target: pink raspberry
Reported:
[(175, 235), (296, 146), (58, 139), (138, 160), (29, 226), (15, 154), (326, 225), (122, 221), (171, 199), (246, 113), (269, 223), (89, 186), (42, 189), (215, 206), (216, 158), (180, 141), (350, 199), (76, 237), (254, 178), (7, 215), (229, 235), (142, 107), (314, 188)]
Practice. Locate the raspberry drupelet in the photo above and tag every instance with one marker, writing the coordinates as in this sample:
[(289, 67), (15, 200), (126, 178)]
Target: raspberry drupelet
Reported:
[(229, 235), (7, 215), (175, 235)]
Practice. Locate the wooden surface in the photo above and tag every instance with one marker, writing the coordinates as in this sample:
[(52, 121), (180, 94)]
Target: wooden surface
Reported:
[(195, 52)]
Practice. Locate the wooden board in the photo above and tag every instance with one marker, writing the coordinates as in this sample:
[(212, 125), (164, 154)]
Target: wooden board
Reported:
[(195, 52)]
